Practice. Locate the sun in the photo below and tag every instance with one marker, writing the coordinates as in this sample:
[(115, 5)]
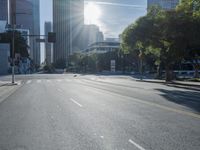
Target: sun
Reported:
[(92, 13)]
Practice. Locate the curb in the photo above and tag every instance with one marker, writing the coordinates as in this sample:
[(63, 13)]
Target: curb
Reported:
[(9, 84), (175, 84)]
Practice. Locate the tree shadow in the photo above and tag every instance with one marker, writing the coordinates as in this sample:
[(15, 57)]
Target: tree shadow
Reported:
[(190, 99)]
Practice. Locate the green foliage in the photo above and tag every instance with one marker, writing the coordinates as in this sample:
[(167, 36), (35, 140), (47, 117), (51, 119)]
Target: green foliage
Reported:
[(96, 62), (75, 58), (168, 35), (60, 64), (49, 68), (21, 46), (190, 8)]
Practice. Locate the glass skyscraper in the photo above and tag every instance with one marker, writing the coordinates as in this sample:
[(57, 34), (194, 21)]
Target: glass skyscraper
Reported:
[(27, 17), (68, 21), (3, 10)]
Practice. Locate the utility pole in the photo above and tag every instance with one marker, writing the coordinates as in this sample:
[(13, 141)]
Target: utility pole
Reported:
[(12, 22)]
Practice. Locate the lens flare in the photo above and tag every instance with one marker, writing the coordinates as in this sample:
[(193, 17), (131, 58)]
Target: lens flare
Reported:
[(92, 13)]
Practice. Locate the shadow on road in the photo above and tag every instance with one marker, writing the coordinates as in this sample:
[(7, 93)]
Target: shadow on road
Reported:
[(190, 99), (184, 86), (8, 84)]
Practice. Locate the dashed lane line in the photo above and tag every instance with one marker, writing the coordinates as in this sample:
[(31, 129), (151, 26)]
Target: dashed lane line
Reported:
[(29, 81), (136, 145), (75, 102), (182, 112), (39, 81)]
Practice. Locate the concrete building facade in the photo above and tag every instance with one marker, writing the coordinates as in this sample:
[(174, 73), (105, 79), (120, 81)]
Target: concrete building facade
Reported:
[(3, 10), (91, 34), (101, 48), (3, 24), (4, 60)]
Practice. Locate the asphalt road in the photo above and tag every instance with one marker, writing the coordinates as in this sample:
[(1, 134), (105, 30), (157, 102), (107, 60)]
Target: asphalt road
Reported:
[(67, 112)]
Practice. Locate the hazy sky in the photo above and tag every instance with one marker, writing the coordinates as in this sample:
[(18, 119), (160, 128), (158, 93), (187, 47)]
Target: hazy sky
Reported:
[(116, 15)]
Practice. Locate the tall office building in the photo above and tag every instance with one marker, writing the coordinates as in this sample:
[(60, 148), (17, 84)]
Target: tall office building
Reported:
[(28, 18), (3, 10), (77, 24), (36, 30), (164, 4), (91, 34), (68, 21), (48, 46)]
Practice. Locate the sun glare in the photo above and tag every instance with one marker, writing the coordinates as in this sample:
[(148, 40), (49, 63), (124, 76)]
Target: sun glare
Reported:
[(92, 13)]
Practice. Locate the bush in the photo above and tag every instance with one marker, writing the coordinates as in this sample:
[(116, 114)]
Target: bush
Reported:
[(49, 69)]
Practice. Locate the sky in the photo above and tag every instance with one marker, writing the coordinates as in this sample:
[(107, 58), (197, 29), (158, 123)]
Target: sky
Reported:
[(115, 16)]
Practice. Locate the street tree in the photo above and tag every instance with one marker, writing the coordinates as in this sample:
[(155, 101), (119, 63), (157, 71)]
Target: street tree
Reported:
[(190, 11), (165, 34), (21, 46)]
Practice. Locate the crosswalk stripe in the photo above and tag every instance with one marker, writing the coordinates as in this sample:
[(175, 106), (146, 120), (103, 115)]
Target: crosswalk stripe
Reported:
[(58, 80), (68, 80), (48, 81), (29, 81), (19, 82), (39, 81)]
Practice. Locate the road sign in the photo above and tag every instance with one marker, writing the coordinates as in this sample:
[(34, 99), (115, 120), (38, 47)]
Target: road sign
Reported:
[(40, 40), (51, 37), (1, 38)]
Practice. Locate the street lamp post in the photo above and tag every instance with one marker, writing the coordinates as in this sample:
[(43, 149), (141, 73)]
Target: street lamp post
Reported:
[(13, 55), (12, 22)]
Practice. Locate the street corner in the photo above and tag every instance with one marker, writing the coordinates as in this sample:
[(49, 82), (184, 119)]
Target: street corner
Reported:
[(9, 83)]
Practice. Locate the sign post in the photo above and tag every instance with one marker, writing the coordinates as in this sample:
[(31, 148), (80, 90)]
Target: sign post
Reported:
[(113, 65), (12, 22)]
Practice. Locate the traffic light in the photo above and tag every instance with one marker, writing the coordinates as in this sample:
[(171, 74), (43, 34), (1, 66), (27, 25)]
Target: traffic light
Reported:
[(3, 38), (51, 37)]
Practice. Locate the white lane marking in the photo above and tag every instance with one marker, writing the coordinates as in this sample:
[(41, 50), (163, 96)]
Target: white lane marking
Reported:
[(102, 137), (19, 82), (39, 81), (58, 80), (136, 145), (48, 81), (29, 81), (71, 99), (59, 90), (68, 80)]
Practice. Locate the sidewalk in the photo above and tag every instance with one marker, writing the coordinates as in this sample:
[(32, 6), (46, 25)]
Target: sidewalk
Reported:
[(189, 83), (178, 84), (3, 83), (6, 89)]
